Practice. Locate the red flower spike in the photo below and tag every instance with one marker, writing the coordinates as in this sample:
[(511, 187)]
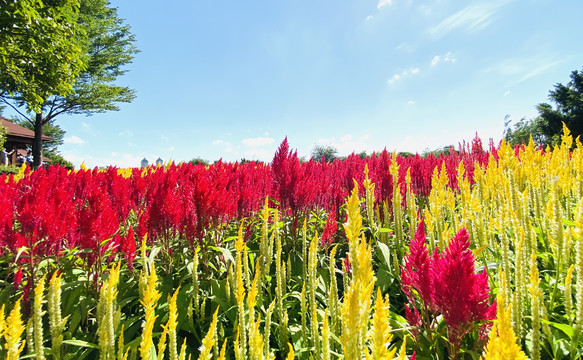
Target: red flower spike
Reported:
[(461, 295)]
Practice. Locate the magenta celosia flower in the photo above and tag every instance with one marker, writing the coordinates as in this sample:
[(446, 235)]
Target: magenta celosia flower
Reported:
[(330, 229), (416, 274), (447, 284), (461, 295)]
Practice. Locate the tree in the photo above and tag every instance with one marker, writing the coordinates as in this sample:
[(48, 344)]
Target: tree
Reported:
[(107, 48), (546, 129), (328, 152), (40, 49), (569, 109)]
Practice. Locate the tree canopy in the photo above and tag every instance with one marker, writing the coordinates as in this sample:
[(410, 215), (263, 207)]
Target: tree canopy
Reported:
[(40, 49), (106, 47), (327, 152), (546, 129)]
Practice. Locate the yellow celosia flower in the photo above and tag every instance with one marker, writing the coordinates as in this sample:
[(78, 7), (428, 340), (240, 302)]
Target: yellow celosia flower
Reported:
[(171, 326), (502, 344), (380, 333), (290, 355), (209, 340), (14, 327), (149, 302)]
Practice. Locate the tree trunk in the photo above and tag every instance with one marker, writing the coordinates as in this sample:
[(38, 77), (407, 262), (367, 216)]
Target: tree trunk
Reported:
[(37, 145)]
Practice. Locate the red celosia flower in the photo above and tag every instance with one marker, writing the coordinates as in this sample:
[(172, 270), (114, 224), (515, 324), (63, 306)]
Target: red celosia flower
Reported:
[(17, 279), (448, 285), (416, 273), (461, 295), (330, 229)]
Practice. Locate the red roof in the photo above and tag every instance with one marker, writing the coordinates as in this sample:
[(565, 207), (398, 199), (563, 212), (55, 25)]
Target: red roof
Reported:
[(17, 130)]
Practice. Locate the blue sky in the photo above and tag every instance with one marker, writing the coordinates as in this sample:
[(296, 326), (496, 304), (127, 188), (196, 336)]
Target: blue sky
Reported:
[(231, 79)]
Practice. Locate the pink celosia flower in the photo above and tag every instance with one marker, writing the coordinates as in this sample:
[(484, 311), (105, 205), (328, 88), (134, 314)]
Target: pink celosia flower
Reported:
[(447, 284)]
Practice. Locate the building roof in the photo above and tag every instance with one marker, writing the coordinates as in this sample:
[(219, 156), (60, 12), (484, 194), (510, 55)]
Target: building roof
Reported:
[(20, 131)]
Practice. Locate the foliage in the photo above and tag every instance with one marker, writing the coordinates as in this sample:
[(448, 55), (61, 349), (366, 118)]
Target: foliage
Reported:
[(326, 152), (10, 169), (107, 48), (546, 129), (3, 133), (199, 161), (47, 36), (523, 131)]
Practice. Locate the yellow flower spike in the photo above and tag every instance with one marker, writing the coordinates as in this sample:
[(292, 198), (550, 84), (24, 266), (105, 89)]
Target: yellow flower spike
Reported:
[(2, 321), (223, 351), (502, 343), (403, 352), (162, 343), (354, 224), (290, 354), (37, 316), (171, 326), (568, 288), (325, 337), (151, 296), (209, 340), (14, 327), (255, 341), (182, 355), (380, 333)]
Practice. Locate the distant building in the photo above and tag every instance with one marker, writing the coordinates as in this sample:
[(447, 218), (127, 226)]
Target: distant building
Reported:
[(159, 162), (144, 162)]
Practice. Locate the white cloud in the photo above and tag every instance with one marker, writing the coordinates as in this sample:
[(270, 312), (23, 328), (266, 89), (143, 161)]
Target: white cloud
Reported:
[(115, 159), (265, 155), (522, 69), (507, 92), (406, 48), (171, 148), (411, 102), (164, 138), (445, 58), (73, 140), (472, 18), (226, 145), (383, 3), (368, 18), (404, 73), (126, 133), (258, 141)]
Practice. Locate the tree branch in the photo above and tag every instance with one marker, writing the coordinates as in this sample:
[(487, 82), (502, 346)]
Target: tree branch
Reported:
[(16, 109)]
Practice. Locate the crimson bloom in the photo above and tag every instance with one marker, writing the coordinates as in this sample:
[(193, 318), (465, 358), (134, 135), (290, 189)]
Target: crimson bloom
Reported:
[(447, 284)]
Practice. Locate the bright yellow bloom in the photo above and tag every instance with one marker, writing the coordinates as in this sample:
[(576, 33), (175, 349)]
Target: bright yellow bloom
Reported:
[(14, 329)]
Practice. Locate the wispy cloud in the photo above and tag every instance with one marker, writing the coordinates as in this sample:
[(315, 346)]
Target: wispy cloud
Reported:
[(507, 92), (383, 3), (473, 18), (225, 144), (444, 58), (126, 133), (522, 69), (368, 18), (73, 140), (402, 74), (411, 102), (258, 141)]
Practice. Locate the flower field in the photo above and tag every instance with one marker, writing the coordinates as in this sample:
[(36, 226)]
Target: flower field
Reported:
[(474, 254)]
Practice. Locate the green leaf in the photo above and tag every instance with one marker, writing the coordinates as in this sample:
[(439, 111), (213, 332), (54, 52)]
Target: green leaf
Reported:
[(568, 330), (81, 343)]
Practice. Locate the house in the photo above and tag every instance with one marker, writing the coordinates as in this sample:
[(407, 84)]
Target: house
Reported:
[(20, 139)]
